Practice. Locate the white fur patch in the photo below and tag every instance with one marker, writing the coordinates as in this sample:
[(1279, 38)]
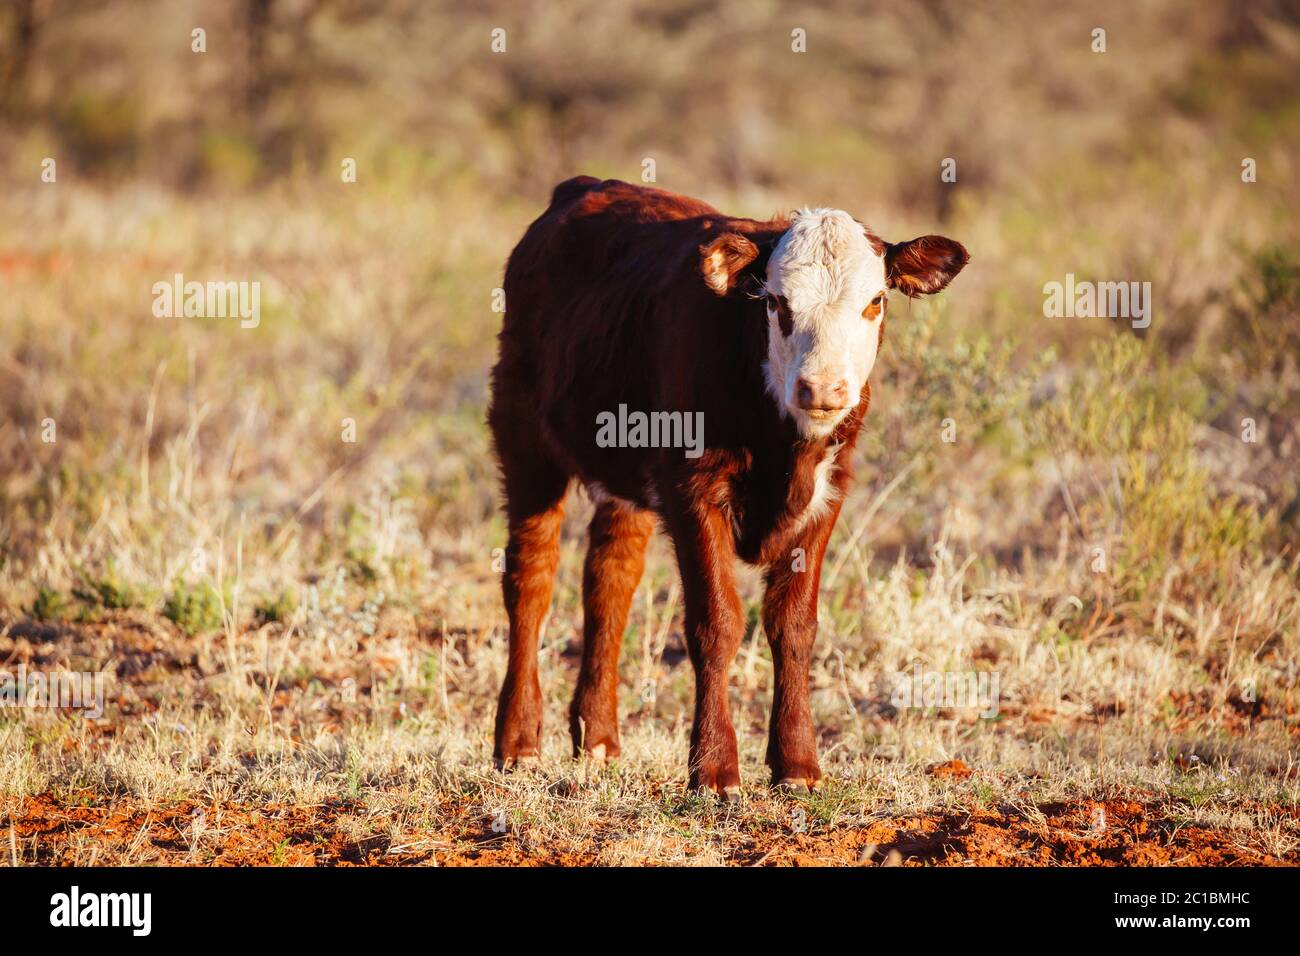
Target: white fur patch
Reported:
[(829, 273), (715, 272), (824, 491)]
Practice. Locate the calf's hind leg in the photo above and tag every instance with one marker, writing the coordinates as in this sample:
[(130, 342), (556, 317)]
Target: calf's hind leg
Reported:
[(615, 560), (534, 489)]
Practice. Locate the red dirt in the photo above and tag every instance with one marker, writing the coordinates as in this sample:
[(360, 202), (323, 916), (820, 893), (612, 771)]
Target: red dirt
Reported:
[(952, 770), (1086, 833)]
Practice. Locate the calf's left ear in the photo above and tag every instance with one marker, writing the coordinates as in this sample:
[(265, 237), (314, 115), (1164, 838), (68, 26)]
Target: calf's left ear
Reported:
[(723, 260), (924, 265)]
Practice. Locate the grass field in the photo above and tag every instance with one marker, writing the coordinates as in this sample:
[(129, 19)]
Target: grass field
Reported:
[(278, 543)]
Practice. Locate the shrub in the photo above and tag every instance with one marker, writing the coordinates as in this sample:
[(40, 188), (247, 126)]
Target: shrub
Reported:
[(49, 605), (194, 608), (109, 591), (279, 608)]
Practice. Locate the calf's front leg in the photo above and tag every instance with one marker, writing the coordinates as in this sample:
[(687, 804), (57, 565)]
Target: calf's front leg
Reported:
[(715, 624), (790, 622)]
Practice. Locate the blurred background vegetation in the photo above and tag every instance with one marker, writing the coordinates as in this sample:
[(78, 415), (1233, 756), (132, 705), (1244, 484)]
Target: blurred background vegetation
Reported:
[(1073, 434)]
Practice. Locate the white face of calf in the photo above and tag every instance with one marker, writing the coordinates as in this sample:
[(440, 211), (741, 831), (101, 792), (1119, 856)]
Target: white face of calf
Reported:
[(825, 290), (825, 295)]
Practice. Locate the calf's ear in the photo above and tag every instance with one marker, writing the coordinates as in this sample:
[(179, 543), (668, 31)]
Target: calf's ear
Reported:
[(924, 265), (723, 260)]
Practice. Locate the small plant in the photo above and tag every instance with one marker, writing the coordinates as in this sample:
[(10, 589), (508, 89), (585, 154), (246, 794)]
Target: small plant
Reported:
[(49, 605), (109, 591), (194, 608), (361, 566), (430, 668), (986, 795), (280, 608), (280, 853)]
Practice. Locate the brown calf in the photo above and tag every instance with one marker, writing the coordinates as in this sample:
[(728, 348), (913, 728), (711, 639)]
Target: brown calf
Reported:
[(622, 297)]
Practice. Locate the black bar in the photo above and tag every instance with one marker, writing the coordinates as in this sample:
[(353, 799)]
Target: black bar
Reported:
[(343, 904)]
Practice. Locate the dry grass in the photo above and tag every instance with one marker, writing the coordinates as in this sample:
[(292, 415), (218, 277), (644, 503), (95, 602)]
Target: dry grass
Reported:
[(384, 716)]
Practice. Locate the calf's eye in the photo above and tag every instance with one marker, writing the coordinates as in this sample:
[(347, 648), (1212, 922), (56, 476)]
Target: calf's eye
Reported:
[(875, 309), (777, 304)]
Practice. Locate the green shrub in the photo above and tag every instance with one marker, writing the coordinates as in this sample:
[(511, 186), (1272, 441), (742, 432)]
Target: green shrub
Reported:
[(279, 608), (49, 605), (109, 591), (194, 608)]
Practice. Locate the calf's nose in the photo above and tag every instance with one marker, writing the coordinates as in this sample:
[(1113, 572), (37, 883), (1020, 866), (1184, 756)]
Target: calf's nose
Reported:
[(822, 394)]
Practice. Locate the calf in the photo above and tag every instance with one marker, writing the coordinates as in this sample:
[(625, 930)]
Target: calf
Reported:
[(623, 295)]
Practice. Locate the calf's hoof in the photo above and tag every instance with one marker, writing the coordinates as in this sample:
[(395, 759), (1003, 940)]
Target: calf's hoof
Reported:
[(796, 784), (728, 795), (597, 757), (518, 762), (598, 754)]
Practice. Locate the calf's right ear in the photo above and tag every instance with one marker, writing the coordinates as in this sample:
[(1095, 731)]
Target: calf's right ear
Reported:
[(723, 260)]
